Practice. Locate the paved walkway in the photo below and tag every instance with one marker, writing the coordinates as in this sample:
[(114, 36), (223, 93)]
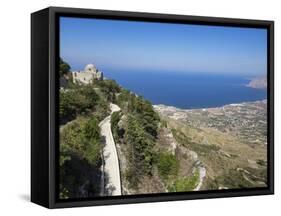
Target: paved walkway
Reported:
[(111, 170)]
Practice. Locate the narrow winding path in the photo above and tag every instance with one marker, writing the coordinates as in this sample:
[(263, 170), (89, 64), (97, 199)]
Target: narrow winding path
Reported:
[(111, 171), (202, 174)]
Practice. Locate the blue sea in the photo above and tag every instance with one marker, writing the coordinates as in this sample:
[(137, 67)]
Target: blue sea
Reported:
[(187, 90)]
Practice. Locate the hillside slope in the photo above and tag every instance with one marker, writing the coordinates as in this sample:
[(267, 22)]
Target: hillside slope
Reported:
[(229, 141)]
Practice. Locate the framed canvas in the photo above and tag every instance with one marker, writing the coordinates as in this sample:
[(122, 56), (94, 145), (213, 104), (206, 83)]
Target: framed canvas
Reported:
[(139, 107)]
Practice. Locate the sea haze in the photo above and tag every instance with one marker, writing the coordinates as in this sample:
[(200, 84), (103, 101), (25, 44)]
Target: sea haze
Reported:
[(187, 90)]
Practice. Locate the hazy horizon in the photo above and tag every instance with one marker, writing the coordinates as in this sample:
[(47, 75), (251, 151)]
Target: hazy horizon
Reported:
[(182, 48)]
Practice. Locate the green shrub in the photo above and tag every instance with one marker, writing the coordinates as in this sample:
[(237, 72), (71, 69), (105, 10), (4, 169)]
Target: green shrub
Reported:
[(81, 138), (168, 165), (79, 100), (80, 156), (185, 184), (115, 118)]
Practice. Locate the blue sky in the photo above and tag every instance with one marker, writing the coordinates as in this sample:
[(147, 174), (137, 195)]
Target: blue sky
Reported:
[(129, 45)]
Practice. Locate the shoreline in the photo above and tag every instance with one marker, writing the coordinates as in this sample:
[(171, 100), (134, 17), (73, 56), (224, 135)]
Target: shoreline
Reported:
[(205, 108)]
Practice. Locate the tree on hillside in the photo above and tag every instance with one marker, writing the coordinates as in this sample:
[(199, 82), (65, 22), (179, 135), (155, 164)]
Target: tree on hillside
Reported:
[(109, 88), (140, 151), (147, 116), (64, 67)]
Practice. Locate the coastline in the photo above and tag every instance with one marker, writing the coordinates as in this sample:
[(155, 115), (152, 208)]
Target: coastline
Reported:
[(245, 120), (159, 106)]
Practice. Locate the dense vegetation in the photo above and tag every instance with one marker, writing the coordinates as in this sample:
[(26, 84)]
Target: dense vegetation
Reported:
[(81, 109), (79, 100), (80, 150), (138, 133), (140, 150), (136, 128), (141, 109), (87, 99)]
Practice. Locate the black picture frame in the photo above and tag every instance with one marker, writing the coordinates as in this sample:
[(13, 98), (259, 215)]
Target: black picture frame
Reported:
[(44, 105)]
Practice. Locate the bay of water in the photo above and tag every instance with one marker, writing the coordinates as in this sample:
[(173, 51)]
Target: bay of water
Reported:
[(187, 90)]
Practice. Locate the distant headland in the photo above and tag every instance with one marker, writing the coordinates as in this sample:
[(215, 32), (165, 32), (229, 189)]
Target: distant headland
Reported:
[(258, 83)]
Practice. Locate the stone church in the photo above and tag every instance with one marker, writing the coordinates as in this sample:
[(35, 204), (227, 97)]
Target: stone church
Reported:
[(87, 76)]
